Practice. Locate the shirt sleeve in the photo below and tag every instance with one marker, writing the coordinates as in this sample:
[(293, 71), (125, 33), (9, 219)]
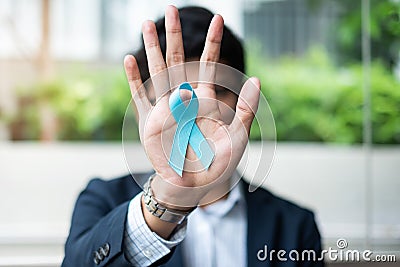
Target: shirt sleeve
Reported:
[(142, 246)]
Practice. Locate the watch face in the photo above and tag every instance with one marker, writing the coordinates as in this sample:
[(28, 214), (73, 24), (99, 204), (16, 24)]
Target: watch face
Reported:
[(172, 217)]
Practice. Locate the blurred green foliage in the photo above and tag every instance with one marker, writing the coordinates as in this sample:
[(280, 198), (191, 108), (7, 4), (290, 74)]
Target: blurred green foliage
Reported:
[(88, 105), (384, 29), (313, 100)]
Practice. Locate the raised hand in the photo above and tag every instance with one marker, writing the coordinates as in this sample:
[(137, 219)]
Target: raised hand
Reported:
[(157, 126)]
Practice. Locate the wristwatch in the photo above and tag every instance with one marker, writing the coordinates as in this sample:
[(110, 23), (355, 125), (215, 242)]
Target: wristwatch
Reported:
[(159, 210)]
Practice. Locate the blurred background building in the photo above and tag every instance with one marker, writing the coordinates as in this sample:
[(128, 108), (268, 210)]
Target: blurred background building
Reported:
[(329, 68)]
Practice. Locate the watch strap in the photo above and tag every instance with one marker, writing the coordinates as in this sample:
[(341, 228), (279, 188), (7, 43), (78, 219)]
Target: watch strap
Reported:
[(159, 210)]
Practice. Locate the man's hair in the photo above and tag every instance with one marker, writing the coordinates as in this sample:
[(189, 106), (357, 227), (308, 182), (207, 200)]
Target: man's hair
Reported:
[(195, 22)]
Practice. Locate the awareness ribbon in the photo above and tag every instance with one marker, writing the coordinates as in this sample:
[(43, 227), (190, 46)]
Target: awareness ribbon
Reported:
[(187, 131)]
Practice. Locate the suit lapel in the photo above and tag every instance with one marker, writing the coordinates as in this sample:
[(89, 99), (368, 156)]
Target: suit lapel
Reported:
[(259, 224), (176, 259)]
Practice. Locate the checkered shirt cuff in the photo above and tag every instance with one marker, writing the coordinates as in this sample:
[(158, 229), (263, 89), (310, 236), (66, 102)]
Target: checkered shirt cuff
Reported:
[(142, 246)]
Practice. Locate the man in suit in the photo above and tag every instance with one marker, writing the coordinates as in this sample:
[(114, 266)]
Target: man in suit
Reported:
[(116, 223)]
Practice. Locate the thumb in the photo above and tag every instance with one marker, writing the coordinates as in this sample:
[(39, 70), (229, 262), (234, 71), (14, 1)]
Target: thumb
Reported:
[(247, 104)]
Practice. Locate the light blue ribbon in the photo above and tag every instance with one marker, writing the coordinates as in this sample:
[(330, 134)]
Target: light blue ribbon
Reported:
[(187, 131)]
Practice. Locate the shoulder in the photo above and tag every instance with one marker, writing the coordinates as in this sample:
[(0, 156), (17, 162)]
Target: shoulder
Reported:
[(277, 206), (289, 207), (111, 183), (118, 189)]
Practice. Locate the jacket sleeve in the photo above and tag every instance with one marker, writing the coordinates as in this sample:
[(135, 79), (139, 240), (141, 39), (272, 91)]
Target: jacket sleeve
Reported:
[(97, 227)]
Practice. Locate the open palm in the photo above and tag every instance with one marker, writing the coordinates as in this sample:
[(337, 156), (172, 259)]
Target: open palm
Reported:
[(157, 126)]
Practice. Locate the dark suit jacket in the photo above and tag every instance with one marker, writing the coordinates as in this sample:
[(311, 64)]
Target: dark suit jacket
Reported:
[(100, 213)]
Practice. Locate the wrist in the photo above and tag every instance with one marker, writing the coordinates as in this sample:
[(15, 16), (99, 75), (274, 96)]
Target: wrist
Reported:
[(160, 227), (176, 196), (163, 211)]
